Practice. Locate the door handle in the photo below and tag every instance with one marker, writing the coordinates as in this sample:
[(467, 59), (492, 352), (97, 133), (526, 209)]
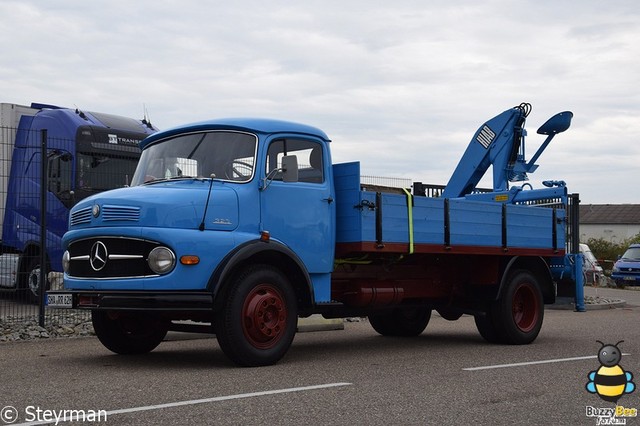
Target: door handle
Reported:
[(328, 200)]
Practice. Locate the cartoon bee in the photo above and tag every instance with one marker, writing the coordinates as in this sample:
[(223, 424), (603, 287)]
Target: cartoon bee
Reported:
[(610, 381)]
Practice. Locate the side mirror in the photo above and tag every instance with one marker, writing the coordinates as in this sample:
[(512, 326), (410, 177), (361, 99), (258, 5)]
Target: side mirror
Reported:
[(289, 168), (556, 124)]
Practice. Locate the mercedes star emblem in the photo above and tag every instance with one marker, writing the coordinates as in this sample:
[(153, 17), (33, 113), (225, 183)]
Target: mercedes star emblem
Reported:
[(98, 256)]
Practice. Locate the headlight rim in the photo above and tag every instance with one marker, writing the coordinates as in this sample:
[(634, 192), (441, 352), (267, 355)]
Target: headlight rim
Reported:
[(155, 258), (66, 261)]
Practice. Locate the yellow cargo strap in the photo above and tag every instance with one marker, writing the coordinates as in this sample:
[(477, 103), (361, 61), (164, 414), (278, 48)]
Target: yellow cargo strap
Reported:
[(410, 217)]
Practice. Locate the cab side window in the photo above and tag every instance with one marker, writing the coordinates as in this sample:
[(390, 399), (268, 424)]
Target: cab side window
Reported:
[(309, 155), (59, 179)]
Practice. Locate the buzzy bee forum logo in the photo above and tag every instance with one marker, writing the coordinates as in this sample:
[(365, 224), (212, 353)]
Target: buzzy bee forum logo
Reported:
[(610, 382)]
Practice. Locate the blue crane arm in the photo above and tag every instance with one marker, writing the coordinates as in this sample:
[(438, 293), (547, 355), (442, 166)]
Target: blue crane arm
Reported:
[(500, 143), (495, 143)]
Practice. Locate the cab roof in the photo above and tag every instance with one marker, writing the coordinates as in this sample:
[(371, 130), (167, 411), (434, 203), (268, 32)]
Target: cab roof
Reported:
[(252, 125)]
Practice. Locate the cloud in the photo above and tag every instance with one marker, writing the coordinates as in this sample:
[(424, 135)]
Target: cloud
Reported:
[(399, 86)]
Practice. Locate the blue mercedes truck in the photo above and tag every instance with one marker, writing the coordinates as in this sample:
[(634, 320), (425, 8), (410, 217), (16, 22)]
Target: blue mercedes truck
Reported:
[(86, 153), (238, 227)]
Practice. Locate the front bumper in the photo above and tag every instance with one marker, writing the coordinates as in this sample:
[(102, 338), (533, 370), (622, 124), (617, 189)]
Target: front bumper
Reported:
[(136, 300), (625, 279)]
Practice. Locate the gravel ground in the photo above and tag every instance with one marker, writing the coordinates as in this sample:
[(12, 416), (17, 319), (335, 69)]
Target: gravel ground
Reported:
[(69, 325)]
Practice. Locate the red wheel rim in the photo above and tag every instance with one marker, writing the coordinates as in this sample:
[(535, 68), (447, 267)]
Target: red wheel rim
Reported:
[(525, 308), (264, 316)]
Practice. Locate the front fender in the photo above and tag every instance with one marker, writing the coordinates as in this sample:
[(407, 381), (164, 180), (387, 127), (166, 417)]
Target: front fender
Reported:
[(272, 252)]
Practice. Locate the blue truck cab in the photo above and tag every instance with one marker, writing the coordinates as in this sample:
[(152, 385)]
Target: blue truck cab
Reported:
[(86, 153), (240, 226), (210, 173)]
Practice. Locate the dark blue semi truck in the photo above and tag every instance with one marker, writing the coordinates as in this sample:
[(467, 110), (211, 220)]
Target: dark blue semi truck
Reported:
[(240, 226), (86, 153)]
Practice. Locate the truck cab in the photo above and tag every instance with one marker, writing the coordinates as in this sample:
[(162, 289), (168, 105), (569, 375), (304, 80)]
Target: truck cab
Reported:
[(86, 153), (230, 194)]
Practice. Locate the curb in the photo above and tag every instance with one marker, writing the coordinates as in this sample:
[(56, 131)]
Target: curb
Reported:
[(567, 303), (317, 322), (619, 303)]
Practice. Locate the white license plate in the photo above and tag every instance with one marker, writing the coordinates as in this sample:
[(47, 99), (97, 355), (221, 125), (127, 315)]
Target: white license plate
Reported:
[(60, 300), (629, 278)]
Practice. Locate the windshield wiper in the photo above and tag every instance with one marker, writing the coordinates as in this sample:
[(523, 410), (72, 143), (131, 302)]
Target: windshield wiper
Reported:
[(158, 180)]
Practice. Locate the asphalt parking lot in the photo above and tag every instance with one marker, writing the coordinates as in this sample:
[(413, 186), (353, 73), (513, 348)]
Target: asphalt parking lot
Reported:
[(448, 375)]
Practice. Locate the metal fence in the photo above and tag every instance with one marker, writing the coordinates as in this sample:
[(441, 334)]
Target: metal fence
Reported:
[(41, 178), (31, 239)]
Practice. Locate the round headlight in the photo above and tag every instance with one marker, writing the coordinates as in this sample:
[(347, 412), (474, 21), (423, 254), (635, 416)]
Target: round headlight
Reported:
[(65, 261), (161, 260)]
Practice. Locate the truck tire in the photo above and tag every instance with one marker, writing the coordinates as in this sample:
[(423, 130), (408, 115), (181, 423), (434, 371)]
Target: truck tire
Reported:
[(256, 318), (487, 327), (401, 322), (128, 333), (449, 314), (519, 312)]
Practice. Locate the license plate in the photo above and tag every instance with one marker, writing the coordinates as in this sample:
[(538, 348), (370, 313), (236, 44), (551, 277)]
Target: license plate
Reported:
[(629, 278), (60, 300)]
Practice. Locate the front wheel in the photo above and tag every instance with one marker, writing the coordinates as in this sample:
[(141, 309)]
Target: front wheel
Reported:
[(129, 333), (401, 322), (256, 319)]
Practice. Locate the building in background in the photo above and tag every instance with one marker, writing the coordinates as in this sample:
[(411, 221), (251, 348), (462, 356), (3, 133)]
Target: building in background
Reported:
[(611, 222)]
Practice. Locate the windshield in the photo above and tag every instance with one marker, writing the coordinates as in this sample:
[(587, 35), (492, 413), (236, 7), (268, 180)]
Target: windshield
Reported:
[(100, 172), (632, 253), (590, 257), (222, 154)]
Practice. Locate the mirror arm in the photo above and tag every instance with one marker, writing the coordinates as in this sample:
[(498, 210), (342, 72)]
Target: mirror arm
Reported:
[(266, 181)]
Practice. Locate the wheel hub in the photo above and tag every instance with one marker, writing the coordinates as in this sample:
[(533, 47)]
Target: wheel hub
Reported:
[(34, 281), (264, 316), (524, 308)]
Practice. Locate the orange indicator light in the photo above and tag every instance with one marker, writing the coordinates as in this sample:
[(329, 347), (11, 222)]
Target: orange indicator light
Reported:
[(189, 259)]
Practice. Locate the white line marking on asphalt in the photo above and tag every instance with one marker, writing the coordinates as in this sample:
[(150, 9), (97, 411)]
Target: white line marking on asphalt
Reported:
[(204, 401), (520, 364), (226, 398)]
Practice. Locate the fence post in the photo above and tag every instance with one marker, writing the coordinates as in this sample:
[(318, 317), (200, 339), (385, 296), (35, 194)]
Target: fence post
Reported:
[(575, 252), (43, 227)]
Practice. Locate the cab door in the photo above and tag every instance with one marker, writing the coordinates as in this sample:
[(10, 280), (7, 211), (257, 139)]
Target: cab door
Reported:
[(301, 214)]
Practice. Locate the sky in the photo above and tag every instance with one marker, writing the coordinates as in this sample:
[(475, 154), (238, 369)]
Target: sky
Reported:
[(400, 86)]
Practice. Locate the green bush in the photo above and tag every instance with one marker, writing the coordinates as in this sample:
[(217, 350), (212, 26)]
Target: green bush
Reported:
[(607, 251)]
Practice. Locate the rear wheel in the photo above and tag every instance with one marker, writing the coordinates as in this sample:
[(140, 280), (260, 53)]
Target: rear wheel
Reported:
[(516, 318), (487, 327), (256, 321), (129, 333), (401, 322), (449, 314)]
